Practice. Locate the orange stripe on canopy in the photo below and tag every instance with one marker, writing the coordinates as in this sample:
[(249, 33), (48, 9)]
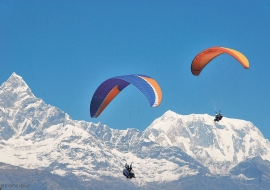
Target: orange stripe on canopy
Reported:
[(112, 94), (156, 88)]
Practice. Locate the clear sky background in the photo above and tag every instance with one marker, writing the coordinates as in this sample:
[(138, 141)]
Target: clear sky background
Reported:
[(65, 49)]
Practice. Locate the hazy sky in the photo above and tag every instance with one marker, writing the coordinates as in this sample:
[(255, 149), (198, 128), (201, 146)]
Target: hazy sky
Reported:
[(65, 49)]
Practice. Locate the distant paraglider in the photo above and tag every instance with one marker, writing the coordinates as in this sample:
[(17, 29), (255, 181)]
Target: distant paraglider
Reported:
[(207, 55), (110, 88), (218, 116), (128, 172)]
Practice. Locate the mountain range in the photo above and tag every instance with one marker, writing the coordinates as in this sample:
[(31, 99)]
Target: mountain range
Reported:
[(174, 152)]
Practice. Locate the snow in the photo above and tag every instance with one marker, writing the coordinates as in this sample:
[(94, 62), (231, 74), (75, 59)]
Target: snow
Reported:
[(37, 135), (243, 177), (214, 145)]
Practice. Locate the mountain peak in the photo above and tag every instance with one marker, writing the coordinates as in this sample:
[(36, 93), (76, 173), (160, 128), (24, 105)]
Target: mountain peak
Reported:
[(16, 79), (170, 112), (14, 90), (15, 75), (15, 84)]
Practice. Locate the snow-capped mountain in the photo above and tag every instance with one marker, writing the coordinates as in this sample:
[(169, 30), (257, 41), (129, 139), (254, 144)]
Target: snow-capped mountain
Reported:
[(218, 146), (36, 135)]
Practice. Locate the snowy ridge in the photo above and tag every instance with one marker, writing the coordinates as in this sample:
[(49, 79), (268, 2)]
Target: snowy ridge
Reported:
[(36, 135), (218, 146)]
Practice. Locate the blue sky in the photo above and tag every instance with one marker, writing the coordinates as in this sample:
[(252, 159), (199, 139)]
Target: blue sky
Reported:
[(65, 49)]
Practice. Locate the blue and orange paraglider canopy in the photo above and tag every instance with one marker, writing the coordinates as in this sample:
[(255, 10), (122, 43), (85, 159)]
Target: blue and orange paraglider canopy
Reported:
[(110, 88), (207, 55)]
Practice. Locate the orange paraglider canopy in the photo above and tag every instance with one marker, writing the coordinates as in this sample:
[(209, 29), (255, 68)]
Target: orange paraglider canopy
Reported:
[(207, 55)]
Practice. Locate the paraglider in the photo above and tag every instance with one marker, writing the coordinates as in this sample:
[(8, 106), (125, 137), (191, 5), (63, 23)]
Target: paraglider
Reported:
[(218, 117), (110, 88), (128, 172), (207, 55)]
